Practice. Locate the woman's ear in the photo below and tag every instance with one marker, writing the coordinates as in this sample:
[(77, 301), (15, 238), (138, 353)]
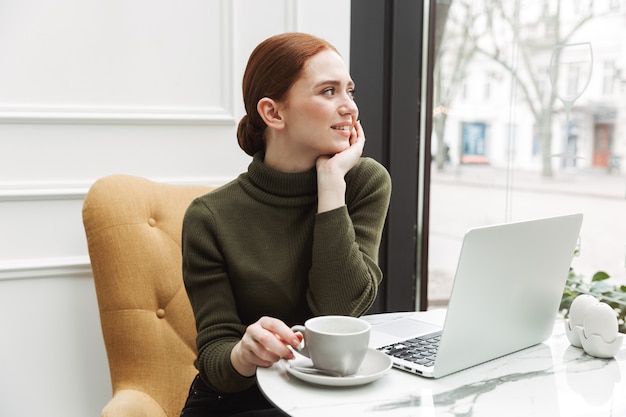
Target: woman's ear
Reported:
[(270, 113)]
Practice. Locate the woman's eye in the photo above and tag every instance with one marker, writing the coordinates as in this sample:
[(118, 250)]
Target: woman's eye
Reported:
[(331, 91)]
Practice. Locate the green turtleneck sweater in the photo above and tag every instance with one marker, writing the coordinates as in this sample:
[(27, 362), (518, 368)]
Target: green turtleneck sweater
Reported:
[(256, 247)]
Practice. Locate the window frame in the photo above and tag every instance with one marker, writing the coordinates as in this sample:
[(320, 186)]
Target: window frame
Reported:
[(388, 64)]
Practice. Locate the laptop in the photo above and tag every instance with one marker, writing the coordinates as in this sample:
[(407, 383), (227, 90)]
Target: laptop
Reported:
[(505, 297)]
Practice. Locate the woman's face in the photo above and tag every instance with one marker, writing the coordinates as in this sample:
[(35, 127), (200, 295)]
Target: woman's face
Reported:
[(319, 111)]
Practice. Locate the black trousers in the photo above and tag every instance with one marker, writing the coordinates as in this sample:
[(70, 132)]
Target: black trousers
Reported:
[(204, 402)]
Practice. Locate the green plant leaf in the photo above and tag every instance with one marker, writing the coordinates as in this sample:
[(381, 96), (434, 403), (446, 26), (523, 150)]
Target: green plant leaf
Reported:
[(600, 276)]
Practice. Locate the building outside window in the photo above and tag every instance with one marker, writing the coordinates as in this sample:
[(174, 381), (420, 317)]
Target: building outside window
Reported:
[(548, 139)]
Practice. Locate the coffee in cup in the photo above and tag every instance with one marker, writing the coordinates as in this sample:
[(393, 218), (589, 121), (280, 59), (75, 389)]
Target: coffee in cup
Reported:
[(335, 343)]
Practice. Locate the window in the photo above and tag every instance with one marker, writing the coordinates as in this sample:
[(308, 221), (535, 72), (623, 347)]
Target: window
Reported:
[(608, 77), (473, 143), (551, 138), (548, 140)]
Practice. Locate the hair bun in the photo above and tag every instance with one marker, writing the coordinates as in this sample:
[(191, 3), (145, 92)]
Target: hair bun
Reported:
[(250, 139)]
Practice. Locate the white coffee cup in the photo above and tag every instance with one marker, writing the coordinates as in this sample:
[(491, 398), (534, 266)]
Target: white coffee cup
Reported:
[(335, 343)]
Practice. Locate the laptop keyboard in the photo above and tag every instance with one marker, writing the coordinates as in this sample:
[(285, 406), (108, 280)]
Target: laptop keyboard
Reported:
[(421, 350)]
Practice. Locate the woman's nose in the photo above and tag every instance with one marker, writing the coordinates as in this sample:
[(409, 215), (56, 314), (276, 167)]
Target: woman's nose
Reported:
[(349, 106)]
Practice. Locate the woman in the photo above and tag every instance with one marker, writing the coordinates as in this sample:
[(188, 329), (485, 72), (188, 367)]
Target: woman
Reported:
[(295, 236)]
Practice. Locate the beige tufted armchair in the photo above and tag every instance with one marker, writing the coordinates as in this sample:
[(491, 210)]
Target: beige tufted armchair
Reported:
[(133, 229)]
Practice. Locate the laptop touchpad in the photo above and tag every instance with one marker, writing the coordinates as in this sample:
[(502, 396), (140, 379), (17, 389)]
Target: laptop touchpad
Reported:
[(406, 327)]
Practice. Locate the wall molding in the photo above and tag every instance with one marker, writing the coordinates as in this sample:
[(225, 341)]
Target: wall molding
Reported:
[(291, 15), (59, 191), (60, 267), (221, 114), (227, 59), (118, 115), (43, 191)]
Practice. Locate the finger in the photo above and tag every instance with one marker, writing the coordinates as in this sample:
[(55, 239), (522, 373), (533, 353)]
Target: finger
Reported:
[(356, 135), (276, 337), (280, 329), (245, 355), (256, 352), (359, 130)]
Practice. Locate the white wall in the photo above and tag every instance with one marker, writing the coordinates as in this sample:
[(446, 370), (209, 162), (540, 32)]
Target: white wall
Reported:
[(87, 89)]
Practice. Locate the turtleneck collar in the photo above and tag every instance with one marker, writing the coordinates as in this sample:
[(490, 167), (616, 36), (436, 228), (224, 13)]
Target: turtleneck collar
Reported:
[(275, 184)]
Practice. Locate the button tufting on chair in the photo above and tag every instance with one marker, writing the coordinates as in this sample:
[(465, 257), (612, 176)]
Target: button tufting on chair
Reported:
[(134, 270)]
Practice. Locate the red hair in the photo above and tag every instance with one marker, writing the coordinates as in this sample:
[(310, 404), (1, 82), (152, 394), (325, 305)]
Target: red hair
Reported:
[(273, 67)]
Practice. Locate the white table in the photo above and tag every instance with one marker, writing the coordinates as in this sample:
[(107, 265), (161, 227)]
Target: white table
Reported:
[(550, 379)]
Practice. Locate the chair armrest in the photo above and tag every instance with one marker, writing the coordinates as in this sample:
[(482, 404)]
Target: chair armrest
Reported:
[(132, 403)]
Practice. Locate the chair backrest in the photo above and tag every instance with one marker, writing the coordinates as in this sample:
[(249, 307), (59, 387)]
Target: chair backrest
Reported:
[(133, 228)]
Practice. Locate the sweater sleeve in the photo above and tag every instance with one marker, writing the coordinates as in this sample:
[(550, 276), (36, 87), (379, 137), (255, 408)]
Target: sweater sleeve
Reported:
[(345, 275), (212, 300)]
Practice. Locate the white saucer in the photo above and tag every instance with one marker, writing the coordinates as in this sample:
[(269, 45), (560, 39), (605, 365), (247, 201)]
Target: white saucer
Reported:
[(375, 365)]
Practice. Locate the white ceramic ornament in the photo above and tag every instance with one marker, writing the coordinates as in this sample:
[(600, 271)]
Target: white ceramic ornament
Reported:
[(599, 333), (577, 312)]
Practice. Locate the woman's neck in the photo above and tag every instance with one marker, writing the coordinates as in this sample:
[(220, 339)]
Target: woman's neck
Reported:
[(287, 161)]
